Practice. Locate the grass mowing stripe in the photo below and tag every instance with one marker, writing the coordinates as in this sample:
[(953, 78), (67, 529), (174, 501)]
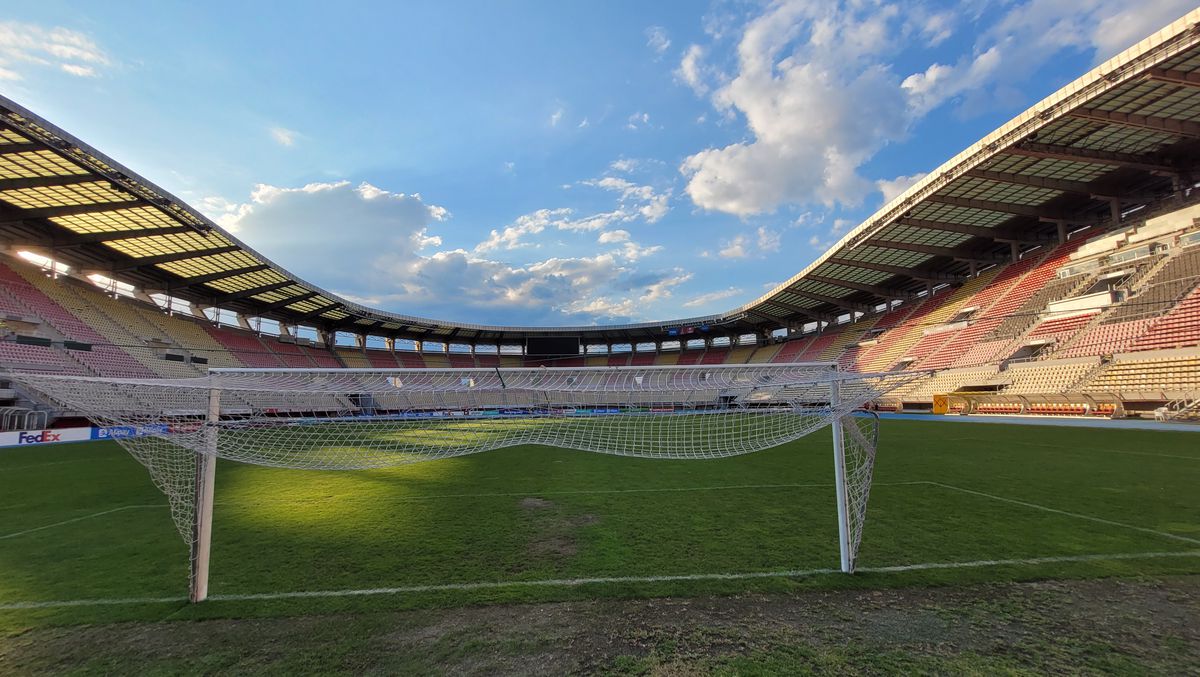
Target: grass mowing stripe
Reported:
[(1100, 520), (575, 582)]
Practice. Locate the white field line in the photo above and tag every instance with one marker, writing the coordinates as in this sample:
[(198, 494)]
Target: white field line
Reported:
[(81, 518), (1056, 511), (576, 582)]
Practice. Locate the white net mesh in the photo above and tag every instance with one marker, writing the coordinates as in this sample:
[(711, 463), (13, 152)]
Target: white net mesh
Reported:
[(860, 432), (347, 419)]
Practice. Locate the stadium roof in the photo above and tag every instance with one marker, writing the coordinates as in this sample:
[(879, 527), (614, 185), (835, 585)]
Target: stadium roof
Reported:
[(1123, 136)]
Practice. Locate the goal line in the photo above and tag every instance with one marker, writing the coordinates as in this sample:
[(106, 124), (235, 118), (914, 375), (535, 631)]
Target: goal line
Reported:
[(601, 580)]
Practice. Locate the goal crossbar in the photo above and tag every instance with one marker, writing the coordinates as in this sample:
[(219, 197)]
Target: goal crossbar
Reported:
[(349, 419)]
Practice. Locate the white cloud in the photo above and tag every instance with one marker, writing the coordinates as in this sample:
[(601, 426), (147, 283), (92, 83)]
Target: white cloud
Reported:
[(664, 288), (284, 136), (377, 257), (612, 236), (511, 236), (1027, 36), (29, 46), (623, 165), (744, 245), (632, 251), (636, 199), (657, 40), (692, 70), (735, 248), (894, 188), (817, 86), (582, 123), (556, 116), (638, 120), (294, 224), (768, 240), (818, 101), (78, 70), (711, 297)]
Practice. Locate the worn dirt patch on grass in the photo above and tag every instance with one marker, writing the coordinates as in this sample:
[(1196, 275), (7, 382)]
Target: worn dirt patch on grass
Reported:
[(1077, 626)]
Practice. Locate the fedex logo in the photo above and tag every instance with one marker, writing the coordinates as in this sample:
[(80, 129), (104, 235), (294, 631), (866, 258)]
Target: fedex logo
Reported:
[(39, 437)]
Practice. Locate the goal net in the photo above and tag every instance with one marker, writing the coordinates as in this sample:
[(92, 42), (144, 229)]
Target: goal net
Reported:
[(348, 419)]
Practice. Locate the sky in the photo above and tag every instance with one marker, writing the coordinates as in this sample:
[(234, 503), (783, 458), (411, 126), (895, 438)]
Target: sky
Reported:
[(547, 163)]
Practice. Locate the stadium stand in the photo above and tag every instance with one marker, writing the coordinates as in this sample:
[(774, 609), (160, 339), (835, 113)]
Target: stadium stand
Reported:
[(1048, 377)]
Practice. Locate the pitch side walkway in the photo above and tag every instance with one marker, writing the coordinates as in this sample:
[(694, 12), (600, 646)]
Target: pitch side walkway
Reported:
[(1049, 420)]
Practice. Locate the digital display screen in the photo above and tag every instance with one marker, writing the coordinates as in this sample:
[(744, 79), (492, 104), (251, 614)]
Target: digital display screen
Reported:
[(556, 346)]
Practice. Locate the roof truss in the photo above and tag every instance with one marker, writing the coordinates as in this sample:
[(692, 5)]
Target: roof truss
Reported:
[(951, 252), (922, 275), (134, 264), (222, 274), (1150, 163), (1077, 187), (75, 210), (13, 148), (47, 181), (1000, 234), (288, 301), (1002, 207), (1186, 128), (885, 292), (1174, 77), (247, 293)]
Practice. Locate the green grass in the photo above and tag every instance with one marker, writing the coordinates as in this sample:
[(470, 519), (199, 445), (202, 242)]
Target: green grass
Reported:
[(469, 519)]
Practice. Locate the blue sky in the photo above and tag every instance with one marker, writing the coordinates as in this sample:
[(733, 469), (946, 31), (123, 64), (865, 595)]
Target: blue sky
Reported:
[(533, 163)]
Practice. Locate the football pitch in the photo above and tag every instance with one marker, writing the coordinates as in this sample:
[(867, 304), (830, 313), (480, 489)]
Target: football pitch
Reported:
[(86, 537)]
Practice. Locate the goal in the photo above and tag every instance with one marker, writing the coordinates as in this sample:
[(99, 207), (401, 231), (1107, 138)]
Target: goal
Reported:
[(348, 419)]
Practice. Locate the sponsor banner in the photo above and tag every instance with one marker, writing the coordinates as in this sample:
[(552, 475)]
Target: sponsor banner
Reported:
[(25, 438), (116, 431)]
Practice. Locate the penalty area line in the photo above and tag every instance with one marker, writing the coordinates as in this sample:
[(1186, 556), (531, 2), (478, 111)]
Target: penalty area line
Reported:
[(576, 582), (1090, 518)]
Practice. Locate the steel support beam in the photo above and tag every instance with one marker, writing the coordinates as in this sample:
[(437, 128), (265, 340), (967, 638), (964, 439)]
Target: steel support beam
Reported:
[(1032, 211), (885, 292), (1182, 78), (168, 258), (46, 181), (807, 312), (978, 231), (773, 320), (1187, 128), (950, 252), (317, 311), (831, 300), (113, 235), (1147, 163), (76, 210), (1076, 187), (247, 293), (220, 275), (12, 148), (923, 276), (288, 301)]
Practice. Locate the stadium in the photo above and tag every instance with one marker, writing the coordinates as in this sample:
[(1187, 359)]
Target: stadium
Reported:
[(1020, 329)]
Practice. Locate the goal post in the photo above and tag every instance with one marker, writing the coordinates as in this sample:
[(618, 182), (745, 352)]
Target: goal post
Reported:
[(205, 487), (350, 419)]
